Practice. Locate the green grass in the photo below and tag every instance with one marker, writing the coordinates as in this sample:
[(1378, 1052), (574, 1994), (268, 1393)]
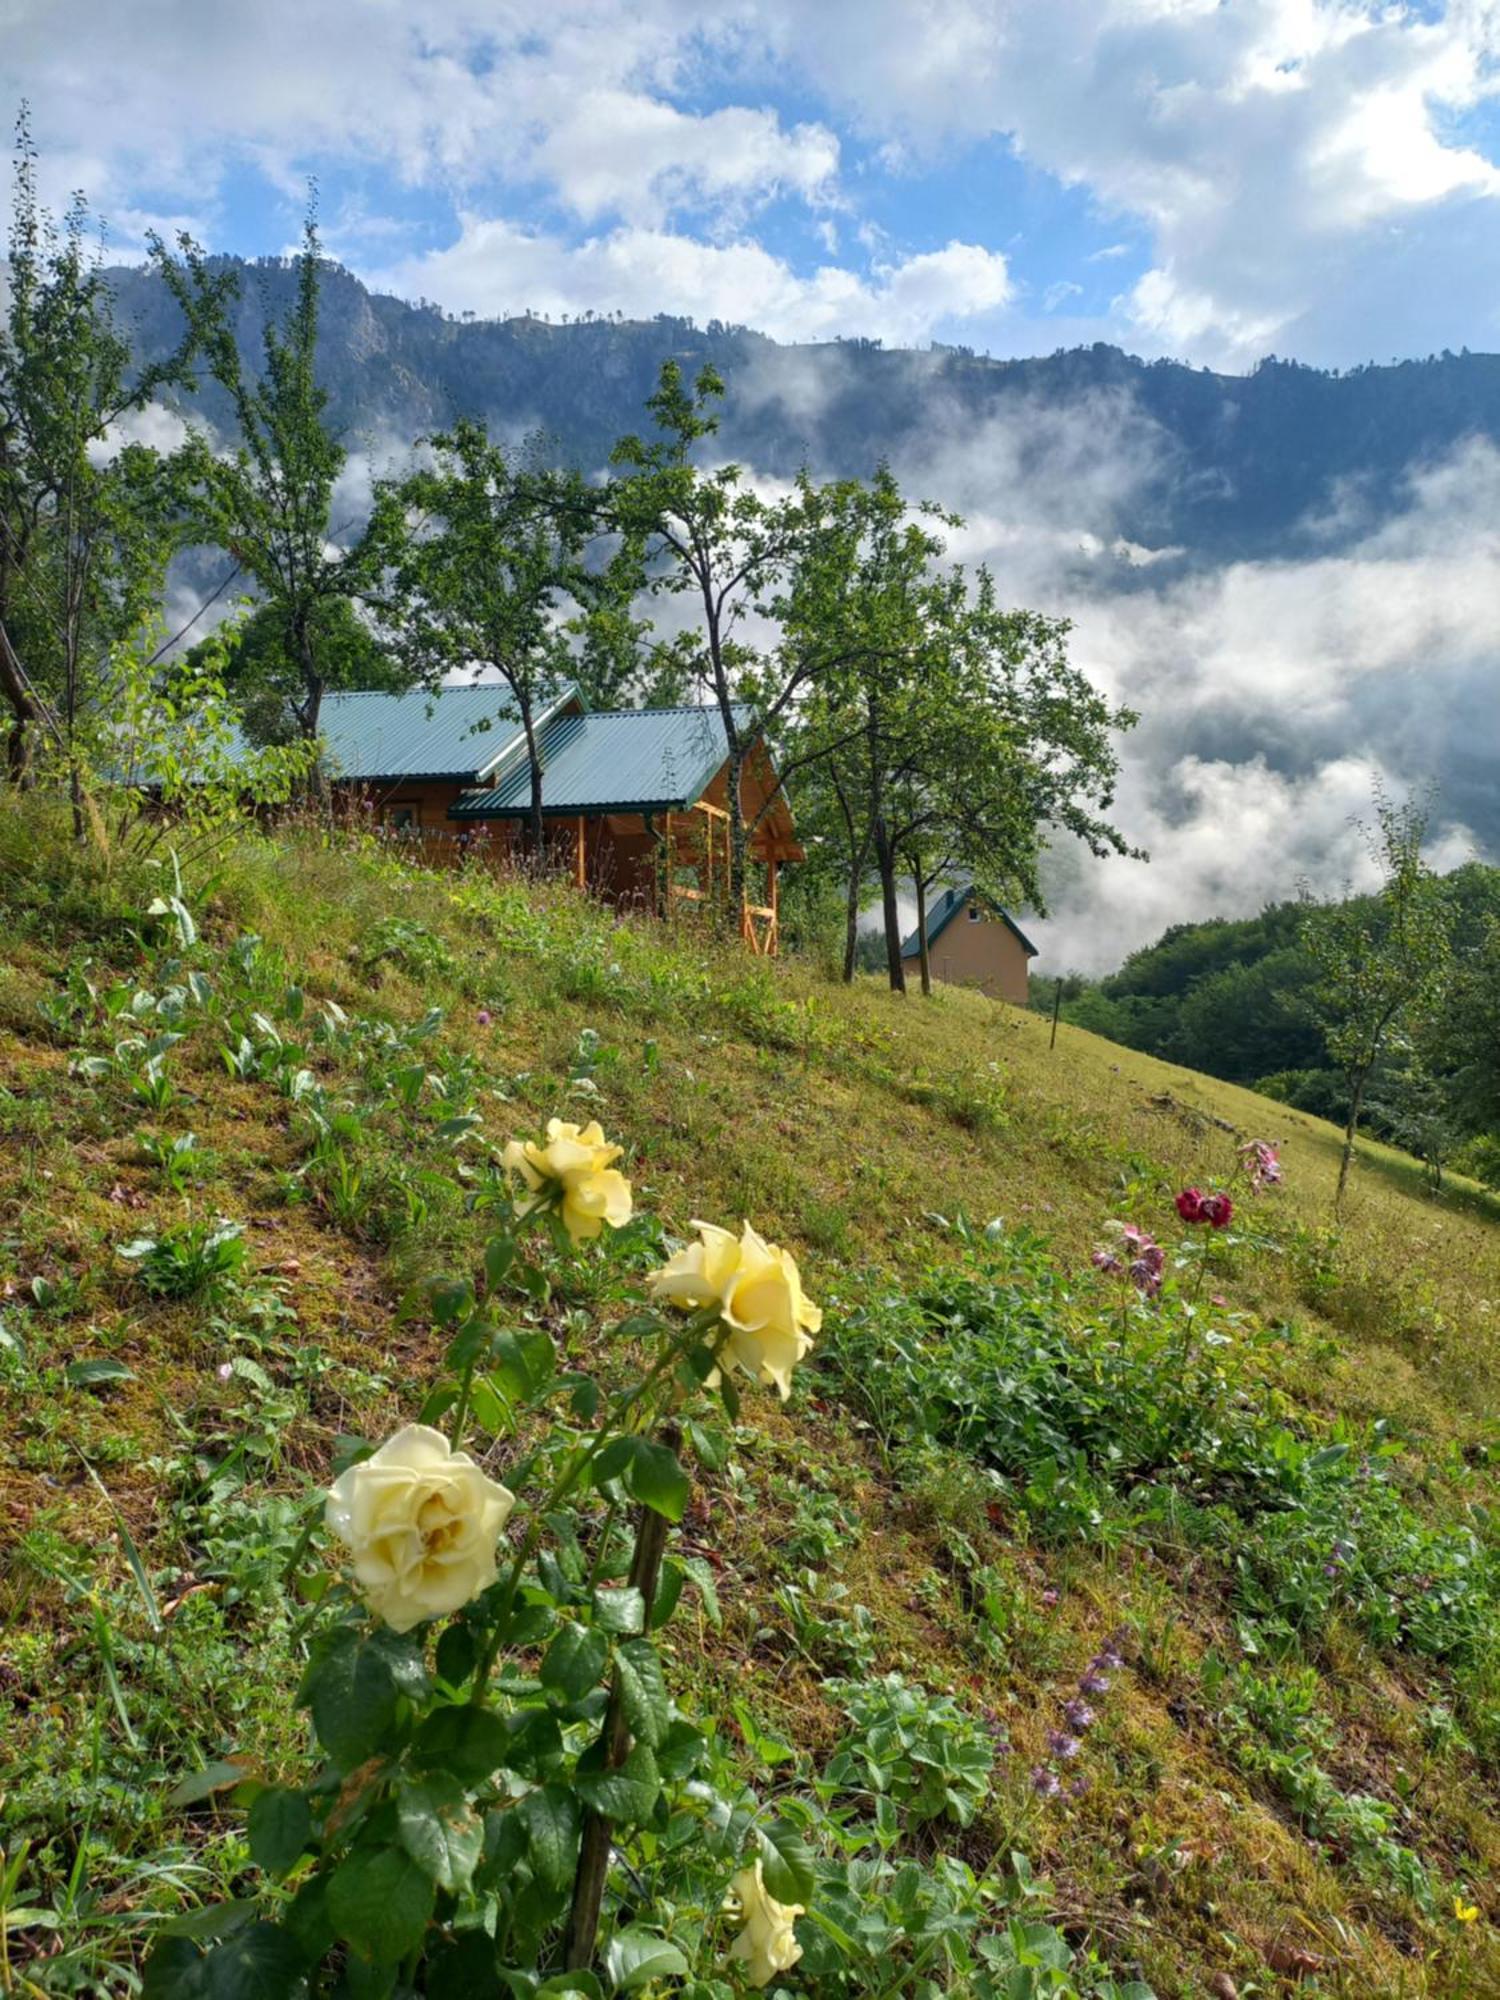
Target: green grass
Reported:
[(1254, 1792)]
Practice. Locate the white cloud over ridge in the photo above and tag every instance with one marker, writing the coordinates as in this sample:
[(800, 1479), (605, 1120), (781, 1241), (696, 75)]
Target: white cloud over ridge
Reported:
[(496, 268)]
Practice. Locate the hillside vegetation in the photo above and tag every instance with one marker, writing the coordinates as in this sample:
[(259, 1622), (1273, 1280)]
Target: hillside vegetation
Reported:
[(1066, 1638), (1239, 999)]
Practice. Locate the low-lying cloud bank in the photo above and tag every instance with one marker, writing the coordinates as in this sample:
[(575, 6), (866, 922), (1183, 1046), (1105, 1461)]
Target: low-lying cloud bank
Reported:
[(1274, 695)]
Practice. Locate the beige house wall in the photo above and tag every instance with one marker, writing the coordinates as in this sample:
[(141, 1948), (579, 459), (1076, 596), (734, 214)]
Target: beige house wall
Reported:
[(980, 951)]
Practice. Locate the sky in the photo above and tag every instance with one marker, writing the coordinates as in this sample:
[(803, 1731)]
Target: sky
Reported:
[(1212, 180)]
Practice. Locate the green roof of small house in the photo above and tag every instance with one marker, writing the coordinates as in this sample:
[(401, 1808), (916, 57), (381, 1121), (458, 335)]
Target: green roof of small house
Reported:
[(459, 733), (628, 760), (947, 906)]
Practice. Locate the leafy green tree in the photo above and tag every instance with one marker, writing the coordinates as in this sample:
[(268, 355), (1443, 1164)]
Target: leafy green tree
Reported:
[(86, 525), (1381, 959), (260, 678), (268, 499), (709, 536), (865, 594), (493, 572)]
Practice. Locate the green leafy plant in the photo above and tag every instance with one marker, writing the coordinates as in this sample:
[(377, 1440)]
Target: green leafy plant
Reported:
[(193, 1260), (921, 1750)]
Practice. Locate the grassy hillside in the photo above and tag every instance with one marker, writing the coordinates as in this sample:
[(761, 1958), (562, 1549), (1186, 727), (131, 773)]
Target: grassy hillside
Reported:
[(1270, 1492)]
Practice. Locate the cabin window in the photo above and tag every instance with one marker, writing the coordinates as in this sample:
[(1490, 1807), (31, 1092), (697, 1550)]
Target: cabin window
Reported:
[(402, 819), (973, 913)]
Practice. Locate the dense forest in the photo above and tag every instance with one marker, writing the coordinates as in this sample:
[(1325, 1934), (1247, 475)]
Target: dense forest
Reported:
[(1238, 999)]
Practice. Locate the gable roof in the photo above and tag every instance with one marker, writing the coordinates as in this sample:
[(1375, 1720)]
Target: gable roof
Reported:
[(627, 760), (941, 913), (453, 732)]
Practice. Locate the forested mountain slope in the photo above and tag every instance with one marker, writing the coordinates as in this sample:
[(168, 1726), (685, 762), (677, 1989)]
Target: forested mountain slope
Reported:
[(1235, 466)]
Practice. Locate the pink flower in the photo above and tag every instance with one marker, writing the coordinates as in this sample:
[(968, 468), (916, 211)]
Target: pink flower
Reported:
[(1107, 1261), (1190, 1205), (1261, 1164), (484, 1017), (1049, 1599)]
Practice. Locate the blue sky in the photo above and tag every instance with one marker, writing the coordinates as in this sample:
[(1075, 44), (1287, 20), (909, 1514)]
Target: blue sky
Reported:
[(1214, 181)]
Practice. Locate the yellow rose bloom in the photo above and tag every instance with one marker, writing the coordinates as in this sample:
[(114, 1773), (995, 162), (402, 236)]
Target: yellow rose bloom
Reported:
[(422, 1522), (576, 1166), (757, 1288), (768, 1944)]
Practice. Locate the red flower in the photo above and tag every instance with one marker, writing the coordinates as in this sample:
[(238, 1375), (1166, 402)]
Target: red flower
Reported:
[(1216, 1210), (1190, 1204)]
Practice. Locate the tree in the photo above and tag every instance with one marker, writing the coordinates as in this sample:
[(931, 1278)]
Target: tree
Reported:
[(260, 678), (86, 522), (956, 733), (1380, 959), (710, 536), (862, 604), (495, 559), (268, 500)]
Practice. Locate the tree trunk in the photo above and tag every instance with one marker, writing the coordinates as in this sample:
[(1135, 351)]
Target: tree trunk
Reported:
[(851, 926), (24, 715), (924, 953), (1356, 1104), (534, 828), (886, 862), (859, 853), (739, 843)]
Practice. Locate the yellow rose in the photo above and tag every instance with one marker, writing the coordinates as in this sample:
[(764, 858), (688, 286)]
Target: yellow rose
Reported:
[(768, 1944), (421, 1522), (577, 1166), (758, 1290)]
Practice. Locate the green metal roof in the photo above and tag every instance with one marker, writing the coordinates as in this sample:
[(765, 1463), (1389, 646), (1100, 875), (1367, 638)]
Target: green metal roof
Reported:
[(941, 913), (633, 760), (461, 733)]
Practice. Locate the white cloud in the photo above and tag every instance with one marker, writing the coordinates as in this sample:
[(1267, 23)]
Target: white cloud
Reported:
[(616, 152), (496, 267), (1298, 169), (1294, 159), (1273, 694)]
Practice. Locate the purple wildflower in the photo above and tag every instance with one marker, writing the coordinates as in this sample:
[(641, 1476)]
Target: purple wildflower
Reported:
[(1062, 1745), (1080, 1717), (1106, 1261), (1046, 1784), (1049, 1599), (484, 1017), (1078, 1786), (1093, 1682)]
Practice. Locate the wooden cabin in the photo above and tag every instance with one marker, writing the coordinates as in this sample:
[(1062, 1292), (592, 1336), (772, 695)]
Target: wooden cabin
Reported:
[(634, 801), (973, 942)]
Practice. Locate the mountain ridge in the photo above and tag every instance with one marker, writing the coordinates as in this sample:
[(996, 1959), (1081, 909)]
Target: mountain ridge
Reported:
[(1288, 459)]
